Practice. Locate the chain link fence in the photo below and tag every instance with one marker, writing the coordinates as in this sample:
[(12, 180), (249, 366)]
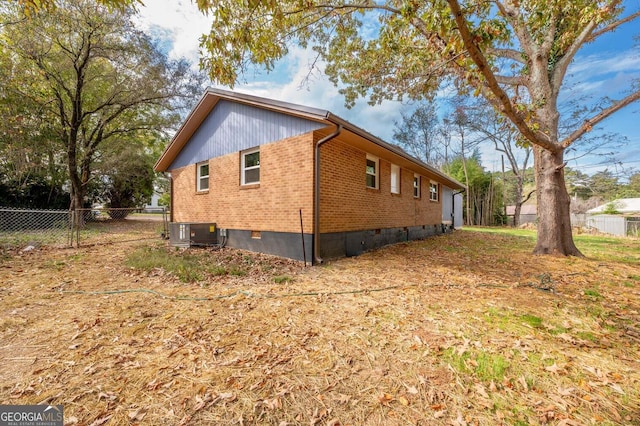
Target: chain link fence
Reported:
[(24, 228), (105, 225)]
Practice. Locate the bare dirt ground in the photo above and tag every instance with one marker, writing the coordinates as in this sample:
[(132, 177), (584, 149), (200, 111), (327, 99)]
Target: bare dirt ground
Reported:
[(462, 329)]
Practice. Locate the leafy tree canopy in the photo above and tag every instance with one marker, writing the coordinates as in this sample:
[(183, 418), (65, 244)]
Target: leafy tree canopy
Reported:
[(387, 50), (32, 7), (84, 78)]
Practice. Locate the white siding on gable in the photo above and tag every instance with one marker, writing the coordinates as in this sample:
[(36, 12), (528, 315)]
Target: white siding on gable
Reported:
[(233, 127)]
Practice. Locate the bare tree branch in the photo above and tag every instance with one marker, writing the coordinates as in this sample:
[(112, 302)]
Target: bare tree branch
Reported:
[(528, 196), (589, 123), (562, 65), (512, 54), (612, 26), (537, 137), (512, 15), (511, 80)]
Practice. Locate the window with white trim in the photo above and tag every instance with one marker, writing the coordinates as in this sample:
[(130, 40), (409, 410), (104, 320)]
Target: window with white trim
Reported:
[(433, 191), (395, 179), (202, 179), (250, 173), (372, 171), (416, 186)]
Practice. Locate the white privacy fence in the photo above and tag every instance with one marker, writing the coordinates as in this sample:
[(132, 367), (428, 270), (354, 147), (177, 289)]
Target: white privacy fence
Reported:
[(627, 226)]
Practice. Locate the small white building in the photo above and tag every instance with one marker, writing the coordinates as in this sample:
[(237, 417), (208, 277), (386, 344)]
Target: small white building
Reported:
[(618, 217), (528, 214)]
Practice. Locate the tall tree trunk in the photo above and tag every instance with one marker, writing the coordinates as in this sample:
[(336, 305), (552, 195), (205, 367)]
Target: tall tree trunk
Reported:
[(77, 187), (516, 214), (519, 201), (554, 218)]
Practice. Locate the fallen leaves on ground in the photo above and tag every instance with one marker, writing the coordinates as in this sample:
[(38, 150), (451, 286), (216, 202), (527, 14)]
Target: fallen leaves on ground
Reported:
[(453, 330)]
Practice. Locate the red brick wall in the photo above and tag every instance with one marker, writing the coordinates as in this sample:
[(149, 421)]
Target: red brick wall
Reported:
[(286, 186), (346, 204)]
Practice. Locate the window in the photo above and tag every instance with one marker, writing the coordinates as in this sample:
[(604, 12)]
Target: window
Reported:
[(416, 186), (203, 176), (251, 167), (395, 179), (372, 172), (433, 191)]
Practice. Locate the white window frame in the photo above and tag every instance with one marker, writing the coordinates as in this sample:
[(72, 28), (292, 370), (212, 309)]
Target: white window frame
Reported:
[(416, 187), (433, 195), (395, 179), (376, 173), (244, 169), (200, 177)]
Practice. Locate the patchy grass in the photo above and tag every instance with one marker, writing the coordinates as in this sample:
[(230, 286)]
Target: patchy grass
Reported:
[(487, 367), (282, 279), (597, 247), (593, 293), (466, 328), (203, 266), (188, 267), (614, 249), (532, 320)]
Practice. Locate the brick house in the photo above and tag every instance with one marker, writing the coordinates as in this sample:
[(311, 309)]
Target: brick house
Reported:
[(276, 177)]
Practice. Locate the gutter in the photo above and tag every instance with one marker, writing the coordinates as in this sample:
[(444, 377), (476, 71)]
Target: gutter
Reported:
[(316, 205), (171, 203)]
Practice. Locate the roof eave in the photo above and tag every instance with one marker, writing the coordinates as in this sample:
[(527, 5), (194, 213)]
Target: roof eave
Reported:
[(180, 138), (395, 149)]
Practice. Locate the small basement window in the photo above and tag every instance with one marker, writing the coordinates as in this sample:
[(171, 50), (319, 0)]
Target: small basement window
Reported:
[(372, 171), (202, 180), (250, 167), (433, 191), (416, 186)]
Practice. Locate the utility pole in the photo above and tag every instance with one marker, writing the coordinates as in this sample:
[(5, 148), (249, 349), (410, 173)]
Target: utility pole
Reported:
[(504, 190)]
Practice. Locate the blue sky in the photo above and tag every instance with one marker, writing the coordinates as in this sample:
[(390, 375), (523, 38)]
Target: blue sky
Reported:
[(604, 67)]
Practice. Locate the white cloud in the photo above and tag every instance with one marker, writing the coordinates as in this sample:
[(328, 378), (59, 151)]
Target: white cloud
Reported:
[(601, 64), (299, 84), (181, 23)]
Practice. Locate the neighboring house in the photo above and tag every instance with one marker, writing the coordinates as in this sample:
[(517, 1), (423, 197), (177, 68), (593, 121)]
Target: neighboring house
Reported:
[(153, 203), (528, 214), (275, 177), (621, 206), (618, 217)]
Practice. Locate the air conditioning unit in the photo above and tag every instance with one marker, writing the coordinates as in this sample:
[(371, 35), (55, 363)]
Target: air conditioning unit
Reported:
[(193, 234)]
